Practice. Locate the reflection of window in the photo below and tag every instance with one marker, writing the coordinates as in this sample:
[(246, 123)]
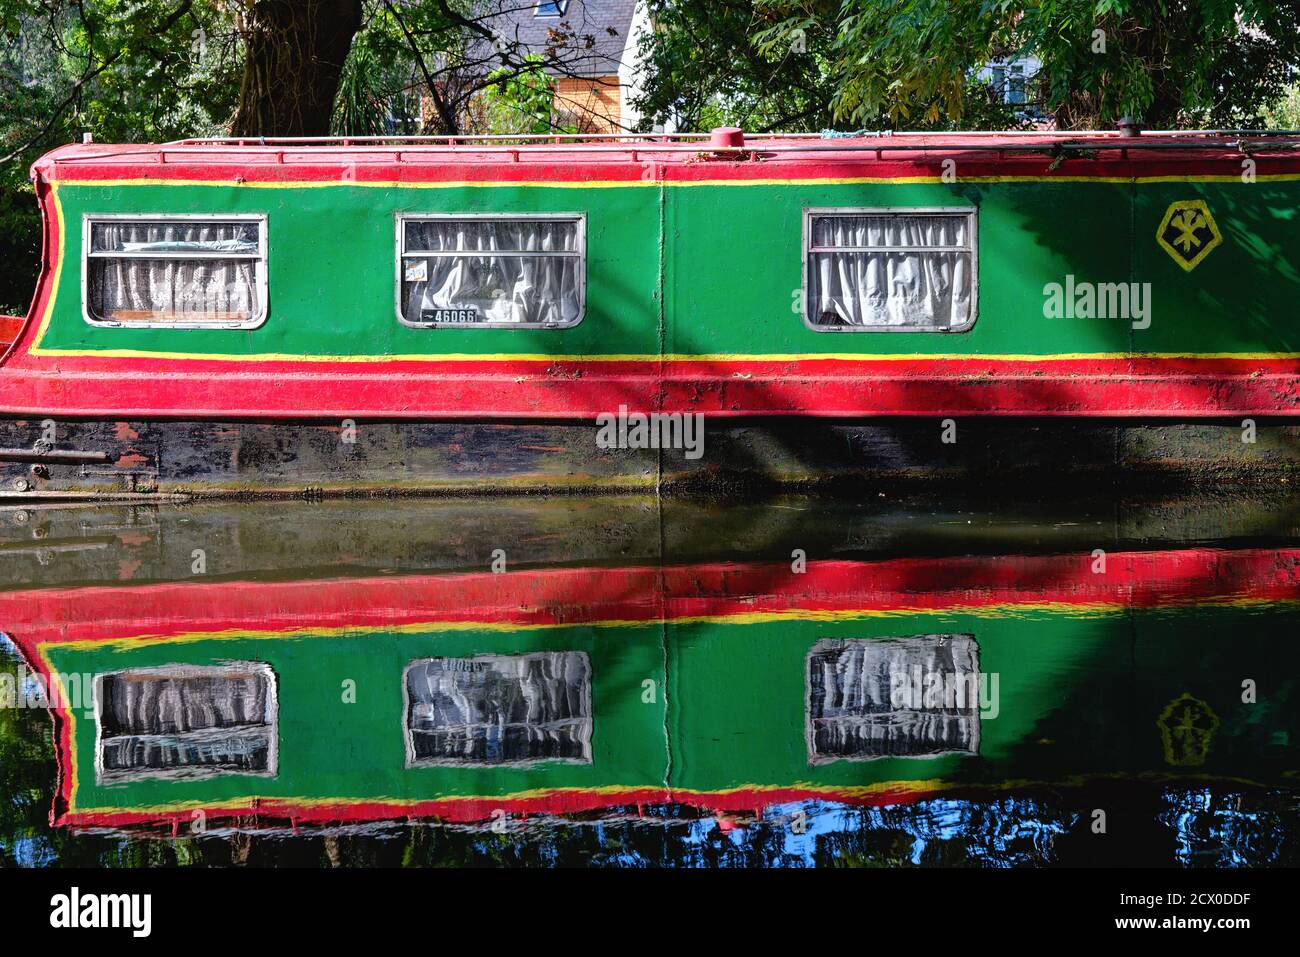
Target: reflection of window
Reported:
[(499, 709), (497, 271), (900, 270), (893, 697), (185, 721), (552, 8), (181, 272)]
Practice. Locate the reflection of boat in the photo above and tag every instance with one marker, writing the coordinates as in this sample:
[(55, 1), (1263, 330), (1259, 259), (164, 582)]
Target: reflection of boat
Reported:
[(572, 689)]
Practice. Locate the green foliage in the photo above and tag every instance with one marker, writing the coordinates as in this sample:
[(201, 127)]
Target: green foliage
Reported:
[(1172, 63), (519, 101), (777, 67), (375, 96), (144, 71), (703, 69), (1284, 112)]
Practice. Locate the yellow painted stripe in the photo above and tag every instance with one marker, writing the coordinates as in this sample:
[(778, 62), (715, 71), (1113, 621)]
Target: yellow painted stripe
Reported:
[(58, 271), (38, 350), (1001, 610)]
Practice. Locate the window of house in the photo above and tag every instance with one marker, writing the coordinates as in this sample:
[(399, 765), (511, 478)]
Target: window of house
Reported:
[(551, 8), (905, 270), (499, 709), (186, 721), (184, 272), (893, 697), (516, 272)]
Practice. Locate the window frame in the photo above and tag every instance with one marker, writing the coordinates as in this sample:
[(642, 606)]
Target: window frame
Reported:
[(818, 759), (580, 254), (262, 258), (561, 9), (196, 774), (970, 212), (408, 737)]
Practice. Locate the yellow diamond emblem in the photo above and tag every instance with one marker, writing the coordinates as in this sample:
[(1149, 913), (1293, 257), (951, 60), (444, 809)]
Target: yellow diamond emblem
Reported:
[(1188, 232)]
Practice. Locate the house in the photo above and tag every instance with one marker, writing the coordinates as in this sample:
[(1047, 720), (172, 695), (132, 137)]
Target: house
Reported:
[(591, 51)]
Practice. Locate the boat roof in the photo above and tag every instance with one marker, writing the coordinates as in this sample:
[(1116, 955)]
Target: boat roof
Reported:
[(779, 155)]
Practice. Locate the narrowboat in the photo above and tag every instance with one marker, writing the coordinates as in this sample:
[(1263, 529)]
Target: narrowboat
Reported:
[(735, 689), (230, 316)]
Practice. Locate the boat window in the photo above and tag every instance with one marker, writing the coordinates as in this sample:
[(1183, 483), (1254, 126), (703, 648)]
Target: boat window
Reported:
[(491, 271), (499, 709), (880, 270), (186, 721), (917, 696), (189, 272)]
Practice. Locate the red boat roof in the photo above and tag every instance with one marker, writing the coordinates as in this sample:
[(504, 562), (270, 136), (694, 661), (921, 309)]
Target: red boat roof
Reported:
[(721, 153)]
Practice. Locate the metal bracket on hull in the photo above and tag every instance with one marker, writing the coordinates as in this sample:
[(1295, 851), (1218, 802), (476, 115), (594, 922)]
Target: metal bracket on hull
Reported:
[(41, 454)]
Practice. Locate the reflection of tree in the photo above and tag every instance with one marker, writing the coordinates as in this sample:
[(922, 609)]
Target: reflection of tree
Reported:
[(1227, 830), (27, 775)]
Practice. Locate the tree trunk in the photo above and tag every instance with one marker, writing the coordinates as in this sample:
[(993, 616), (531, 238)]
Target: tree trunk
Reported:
[(295, 54)]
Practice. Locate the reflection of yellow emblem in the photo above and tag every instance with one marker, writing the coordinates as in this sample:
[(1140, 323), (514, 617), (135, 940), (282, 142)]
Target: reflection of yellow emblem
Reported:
[(1188, 232), (1187, 727)]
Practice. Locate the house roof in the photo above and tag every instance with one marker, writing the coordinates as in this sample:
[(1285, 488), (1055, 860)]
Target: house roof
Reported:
[(588, 39)]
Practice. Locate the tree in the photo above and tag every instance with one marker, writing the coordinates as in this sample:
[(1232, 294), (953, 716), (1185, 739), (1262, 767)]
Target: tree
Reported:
[(746, 63), (522, 103), (294, 60), (703, 69), (1172, 63)]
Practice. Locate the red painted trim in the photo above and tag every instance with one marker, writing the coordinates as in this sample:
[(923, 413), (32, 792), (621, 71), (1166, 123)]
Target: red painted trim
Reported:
[(10, 327), (567, 596), (25, 334), (571, 164), (544, 389)]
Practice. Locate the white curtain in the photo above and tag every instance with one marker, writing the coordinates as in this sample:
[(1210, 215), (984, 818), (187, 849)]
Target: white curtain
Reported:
[(852, 707), (501, 708), (877, 287), (501, 287), (173, 289)]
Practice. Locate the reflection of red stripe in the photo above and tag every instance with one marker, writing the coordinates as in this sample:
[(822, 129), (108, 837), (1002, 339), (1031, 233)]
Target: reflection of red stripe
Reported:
[(588, 595), (267, 812), (544, 389)]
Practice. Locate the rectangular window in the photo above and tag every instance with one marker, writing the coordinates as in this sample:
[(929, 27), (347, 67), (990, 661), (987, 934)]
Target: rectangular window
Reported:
[(893, 697), (551, 8), (186, 721), (905, 270), (499, 709), (516, 272), (182, 272)]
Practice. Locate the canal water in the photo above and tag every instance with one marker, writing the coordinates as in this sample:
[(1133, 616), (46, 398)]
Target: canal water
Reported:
[(635, 682)]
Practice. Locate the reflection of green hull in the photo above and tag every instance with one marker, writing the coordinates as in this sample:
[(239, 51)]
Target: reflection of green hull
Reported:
[(708, 706)]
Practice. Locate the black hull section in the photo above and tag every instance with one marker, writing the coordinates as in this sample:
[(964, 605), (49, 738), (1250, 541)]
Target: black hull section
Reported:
[(44, 459)]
